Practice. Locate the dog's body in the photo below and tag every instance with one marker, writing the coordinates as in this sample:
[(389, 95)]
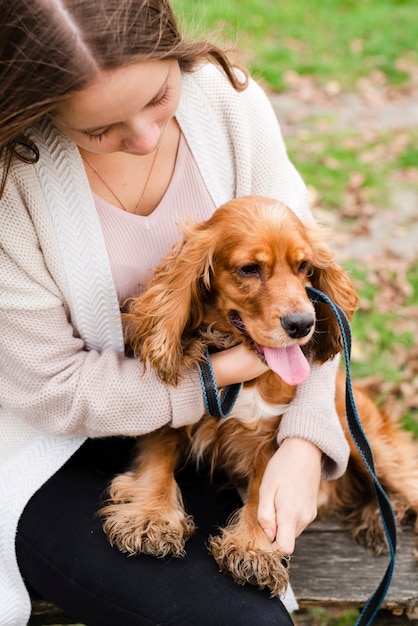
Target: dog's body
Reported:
[(242, 276)]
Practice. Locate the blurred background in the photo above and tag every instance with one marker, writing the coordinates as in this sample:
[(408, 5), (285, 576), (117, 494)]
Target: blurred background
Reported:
[(342, 76)]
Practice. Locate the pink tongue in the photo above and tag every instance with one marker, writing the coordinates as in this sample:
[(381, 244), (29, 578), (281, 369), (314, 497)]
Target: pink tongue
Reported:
[(289, 363)]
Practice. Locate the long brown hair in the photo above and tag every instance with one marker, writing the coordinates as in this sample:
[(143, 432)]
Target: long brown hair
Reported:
[(50, 49)]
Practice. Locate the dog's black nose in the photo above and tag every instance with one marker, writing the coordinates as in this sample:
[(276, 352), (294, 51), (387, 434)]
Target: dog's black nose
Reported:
[(298, 325)]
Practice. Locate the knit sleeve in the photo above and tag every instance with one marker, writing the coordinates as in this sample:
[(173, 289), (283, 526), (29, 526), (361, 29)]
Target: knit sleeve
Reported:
[(48, 377), (312, 415)]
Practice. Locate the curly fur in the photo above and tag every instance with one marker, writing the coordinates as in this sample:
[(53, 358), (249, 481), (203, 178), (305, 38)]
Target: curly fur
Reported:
[(253, 256)]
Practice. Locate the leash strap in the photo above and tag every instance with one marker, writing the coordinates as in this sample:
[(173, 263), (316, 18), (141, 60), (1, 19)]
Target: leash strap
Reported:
[(216, 406), (388, 518)]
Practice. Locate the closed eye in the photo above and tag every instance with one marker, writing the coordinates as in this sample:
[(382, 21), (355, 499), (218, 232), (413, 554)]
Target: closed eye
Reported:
[(161, 99), (98, 136), (305, 268), (253, 269)]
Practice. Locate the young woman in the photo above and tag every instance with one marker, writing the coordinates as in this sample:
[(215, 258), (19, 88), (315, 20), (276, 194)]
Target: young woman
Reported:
[(113, 130)]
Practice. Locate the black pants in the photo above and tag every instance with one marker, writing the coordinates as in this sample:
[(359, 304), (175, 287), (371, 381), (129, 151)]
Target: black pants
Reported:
[(64, 555)]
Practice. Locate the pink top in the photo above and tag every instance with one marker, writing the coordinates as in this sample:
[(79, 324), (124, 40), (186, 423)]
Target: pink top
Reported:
[(135, 243)]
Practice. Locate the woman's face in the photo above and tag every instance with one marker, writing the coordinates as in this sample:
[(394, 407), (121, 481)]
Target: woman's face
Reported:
[(123, 110)]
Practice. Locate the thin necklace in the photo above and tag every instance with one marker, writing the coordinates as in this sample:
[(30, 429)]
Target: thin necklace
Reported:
[(146, 181)]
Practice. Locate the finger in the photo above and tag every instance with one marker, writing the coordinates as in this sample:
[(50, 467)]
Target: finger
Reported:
[(285, 537), (267, 518)]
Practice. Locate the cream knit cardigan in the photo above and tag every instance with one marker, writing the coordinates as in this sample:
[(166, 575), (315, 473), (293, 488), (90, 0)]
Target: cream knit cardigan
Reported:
[(53, 263)]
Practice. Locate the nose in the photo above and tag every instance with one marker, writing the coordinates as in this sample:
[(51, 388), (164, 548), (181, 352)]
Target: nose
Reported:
[(142, 139), (298, 325)]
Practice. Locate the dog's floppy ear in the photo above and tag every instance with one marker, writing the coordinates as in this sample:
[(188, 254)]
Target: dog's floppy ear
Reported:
[(333, 281), (159, 320)]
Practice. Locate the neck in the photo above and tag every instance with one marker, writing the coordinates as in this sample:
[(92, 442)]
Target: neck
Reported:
[(134, 183)]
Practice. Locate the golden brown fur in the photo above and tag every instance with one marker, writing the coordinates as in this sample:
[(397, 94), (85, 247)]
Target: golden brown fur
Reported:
[(253, 257)]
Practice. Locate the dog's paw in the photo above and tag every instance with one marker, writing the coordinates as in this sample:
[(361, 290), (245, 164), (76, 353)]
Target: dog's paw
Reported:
[(136, 531), (251, 564), (367, 528), (146, 520), (372, 536)]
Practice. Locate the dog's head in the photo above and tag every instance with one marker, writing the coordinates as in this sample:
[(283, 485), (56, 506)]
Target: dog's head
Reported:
[(242, 274)]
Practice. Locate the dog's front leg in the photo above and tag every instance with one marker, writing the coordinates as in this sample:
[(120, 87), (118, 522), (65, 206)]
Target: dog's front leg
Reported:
[(243, 550), (145, 512)]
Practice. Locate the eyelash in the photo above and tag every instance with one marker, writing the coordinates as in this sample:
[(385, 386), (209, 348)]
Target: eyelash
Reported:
[(96, 137), (161, 101)]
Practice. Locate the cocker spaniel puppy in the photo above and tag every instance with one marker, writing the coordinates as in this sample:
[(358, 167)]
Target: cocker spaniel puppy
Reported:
[(242, 277)]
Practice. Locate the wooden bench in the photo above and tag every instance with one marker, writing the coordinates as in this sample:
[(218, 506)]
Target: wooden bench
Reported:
[(328, 570)]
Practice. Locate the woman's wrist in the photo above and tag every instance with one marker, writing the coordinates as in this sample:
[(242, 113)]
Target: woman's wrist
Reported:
[(303, 448)]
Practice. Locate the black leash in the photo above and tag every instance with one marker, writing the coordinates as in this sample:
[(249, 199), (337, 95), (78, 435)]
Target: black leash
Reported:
[(215, 405), (388, 518)]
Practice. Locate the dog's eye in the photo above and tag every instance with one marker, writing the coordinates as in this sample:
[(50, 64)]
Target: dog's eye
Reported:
[(305, 267), (253, 269)]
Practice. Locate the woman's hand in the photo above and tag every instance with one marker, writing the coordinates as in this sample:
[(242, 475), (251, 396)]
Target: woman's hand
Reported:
[(236, 365), (289, 492), (289, 489)]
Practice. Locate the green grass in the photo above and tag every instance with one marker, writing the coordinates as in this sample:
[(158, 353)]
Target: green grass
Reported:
[(328, 164), (320, 616), (383, 341), (409, 158), (375, 333), (335, 40)]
